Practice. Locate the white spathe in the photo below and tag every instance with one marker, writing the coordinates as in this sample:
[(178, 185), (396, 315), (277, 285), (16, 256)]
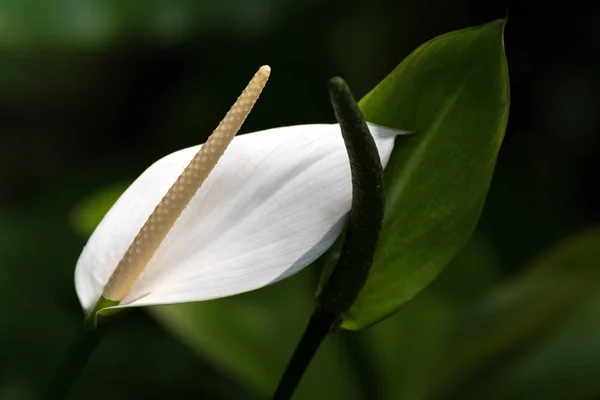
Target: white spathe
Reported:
[(274, 203)]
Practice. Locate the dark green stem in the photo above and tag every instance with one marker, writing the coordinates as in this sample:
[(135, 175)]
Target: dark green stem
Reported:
[(318, 327), (347, 278), (77, 356), (79, 352)]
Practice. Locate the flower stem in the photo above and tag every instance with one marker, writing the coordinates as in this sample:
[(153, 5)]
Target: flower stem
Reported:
[(79, 352), (317, 329)]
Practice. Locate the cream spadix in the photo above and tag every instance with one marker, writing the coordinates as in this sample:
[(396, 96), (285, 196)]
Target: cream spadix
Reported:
[(160, 222), (275, 201)]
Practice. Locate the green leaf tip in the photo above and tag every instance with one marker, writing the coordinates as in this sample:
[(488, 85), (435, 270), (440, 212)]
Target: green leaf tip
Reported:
[(345, 280), (454, 91)]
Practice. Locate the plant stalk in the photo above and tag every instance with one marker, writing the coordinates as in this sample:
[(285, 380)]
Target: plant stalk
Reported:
[(79, 352), (317, 329)]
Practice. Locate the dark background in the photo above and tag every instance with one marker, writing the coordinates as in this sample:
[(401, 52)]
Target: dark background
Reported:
[(91, 94)]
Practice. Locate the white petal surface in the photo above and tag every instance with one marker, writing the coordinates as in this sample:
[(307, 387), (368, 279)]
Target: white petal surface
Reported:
[(273, 204)]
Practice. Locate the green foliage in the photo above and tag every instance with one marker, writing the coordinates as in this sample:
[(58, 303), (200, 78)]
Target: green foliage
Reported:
[(453, 91), (409, 346), (527, 313), (563, 364)]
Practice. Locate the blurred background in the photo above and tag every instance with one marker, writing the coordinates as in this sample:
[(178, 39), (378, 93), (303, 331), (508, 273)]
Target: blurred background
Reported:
[(91, 93)]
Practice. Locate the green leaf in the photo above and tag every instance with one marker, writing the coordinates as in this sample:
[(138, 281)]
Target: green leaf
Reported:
[(563, 364), (453, 91), (252, 336), (516, 316), (409, 345)]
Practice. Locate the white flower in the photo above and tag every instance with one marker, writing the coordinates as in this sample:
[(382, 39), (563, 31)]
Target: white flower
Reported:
[(275, 201)]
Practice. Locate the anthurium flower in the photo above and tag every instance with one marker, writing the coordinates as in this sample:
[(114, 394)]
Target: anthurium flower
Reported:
[(185, 231)]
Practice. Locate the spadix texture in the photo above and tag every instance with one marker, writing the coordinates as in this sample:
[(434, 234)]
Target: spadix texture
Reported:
[(275, 202), (168, 210)]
